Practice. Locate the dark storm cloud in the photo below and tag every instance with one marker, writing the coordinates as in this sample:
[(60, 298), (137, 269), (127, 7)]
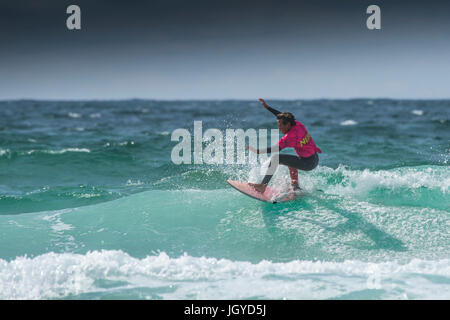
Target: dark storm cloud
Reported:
[(202, 18), (164, 44), (42, 22)]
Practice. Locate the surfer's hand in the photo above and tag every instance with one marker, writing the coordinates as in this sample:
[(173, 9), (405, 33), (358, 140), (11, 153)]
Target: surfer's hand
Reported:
[(263, 103)]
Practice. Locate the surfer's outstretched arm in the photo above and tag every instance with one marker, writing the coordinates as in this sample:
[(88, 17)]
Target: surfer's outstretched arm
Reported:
[(274, 111)]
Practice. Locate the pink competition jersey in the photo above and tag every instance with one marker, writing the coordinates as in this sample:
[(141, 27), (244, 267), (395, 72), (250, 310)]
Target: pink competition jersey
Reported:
[(299, 139)]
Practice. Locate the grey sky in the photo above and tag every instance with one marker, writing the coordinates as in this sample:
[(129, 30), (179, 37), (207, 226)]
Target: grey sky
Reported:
[(224, 50)]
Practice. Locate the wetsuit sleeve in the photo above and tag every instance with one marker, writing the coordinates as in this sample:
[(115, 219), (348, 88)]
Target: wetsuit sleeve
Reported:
[(274, 111)]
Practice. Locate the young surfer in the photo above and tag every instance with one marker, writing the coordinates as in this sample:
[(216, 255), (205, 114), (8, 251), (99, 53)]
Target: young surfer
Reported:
[(295, 136)]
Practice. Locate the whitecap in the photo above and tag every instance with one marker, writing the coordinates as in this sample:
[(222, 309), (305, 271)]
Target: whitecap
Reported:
[(74, 115), (3, 152), (349, 122), (54, 275), (417, 112), (362, 181), (68, 150), (59, 151), (134, 183), (126, 143)]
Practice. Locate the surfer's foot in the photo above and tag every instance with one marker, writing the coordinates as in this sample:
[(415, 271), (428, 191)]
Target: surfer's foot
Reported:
[(260, 187)]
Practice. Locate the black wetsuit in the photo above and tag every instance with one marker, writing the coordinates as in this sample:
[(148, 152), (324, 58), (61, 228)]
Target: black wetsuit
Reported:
[(305, 164)]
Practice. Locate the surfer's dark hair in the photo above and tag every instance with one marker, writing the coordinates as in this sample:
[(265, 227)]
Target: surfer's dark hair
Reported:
[(286, 117)]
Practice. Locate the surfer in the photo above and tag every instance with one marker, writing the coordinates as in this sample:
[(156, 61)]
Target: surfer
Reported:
[(295, 136)]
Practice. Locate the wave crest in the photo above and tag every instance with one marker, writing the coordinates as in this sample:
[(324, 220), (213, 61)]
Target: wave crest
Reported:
[(54, 275)]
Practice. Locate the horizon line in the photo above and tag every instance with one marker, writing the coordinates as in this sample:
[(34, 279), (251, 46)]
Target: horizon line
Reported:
[(214, 99)]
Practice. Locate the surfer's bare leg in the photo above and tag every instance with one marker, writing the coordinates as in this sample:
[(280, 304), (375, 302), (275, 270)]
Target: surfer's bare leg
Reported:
[(294, 178)]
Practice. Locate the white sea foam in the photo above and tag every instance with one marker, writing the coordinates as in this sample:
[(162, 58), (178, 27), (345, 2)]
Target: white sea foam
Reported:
[(134, 183), (348, 123), (59, 151), (57, 225), (74, 115), (95, 115), (406, 177), (4, 152), (126, 143), (417, 112), (54, 275)]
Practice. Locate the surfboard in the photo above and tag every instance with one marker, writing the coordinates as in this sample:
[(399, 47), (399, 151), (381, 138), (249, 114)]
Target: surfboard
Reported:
[(270, 195)]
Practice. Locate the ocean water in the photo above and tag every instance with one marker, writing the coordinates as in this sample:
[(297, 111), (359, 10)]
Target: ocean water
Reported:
[(92, 207)]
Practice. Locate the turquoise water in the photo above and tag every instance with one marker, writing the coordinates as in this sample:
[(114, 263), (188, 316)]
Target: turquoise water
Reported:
[(92, 207)]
